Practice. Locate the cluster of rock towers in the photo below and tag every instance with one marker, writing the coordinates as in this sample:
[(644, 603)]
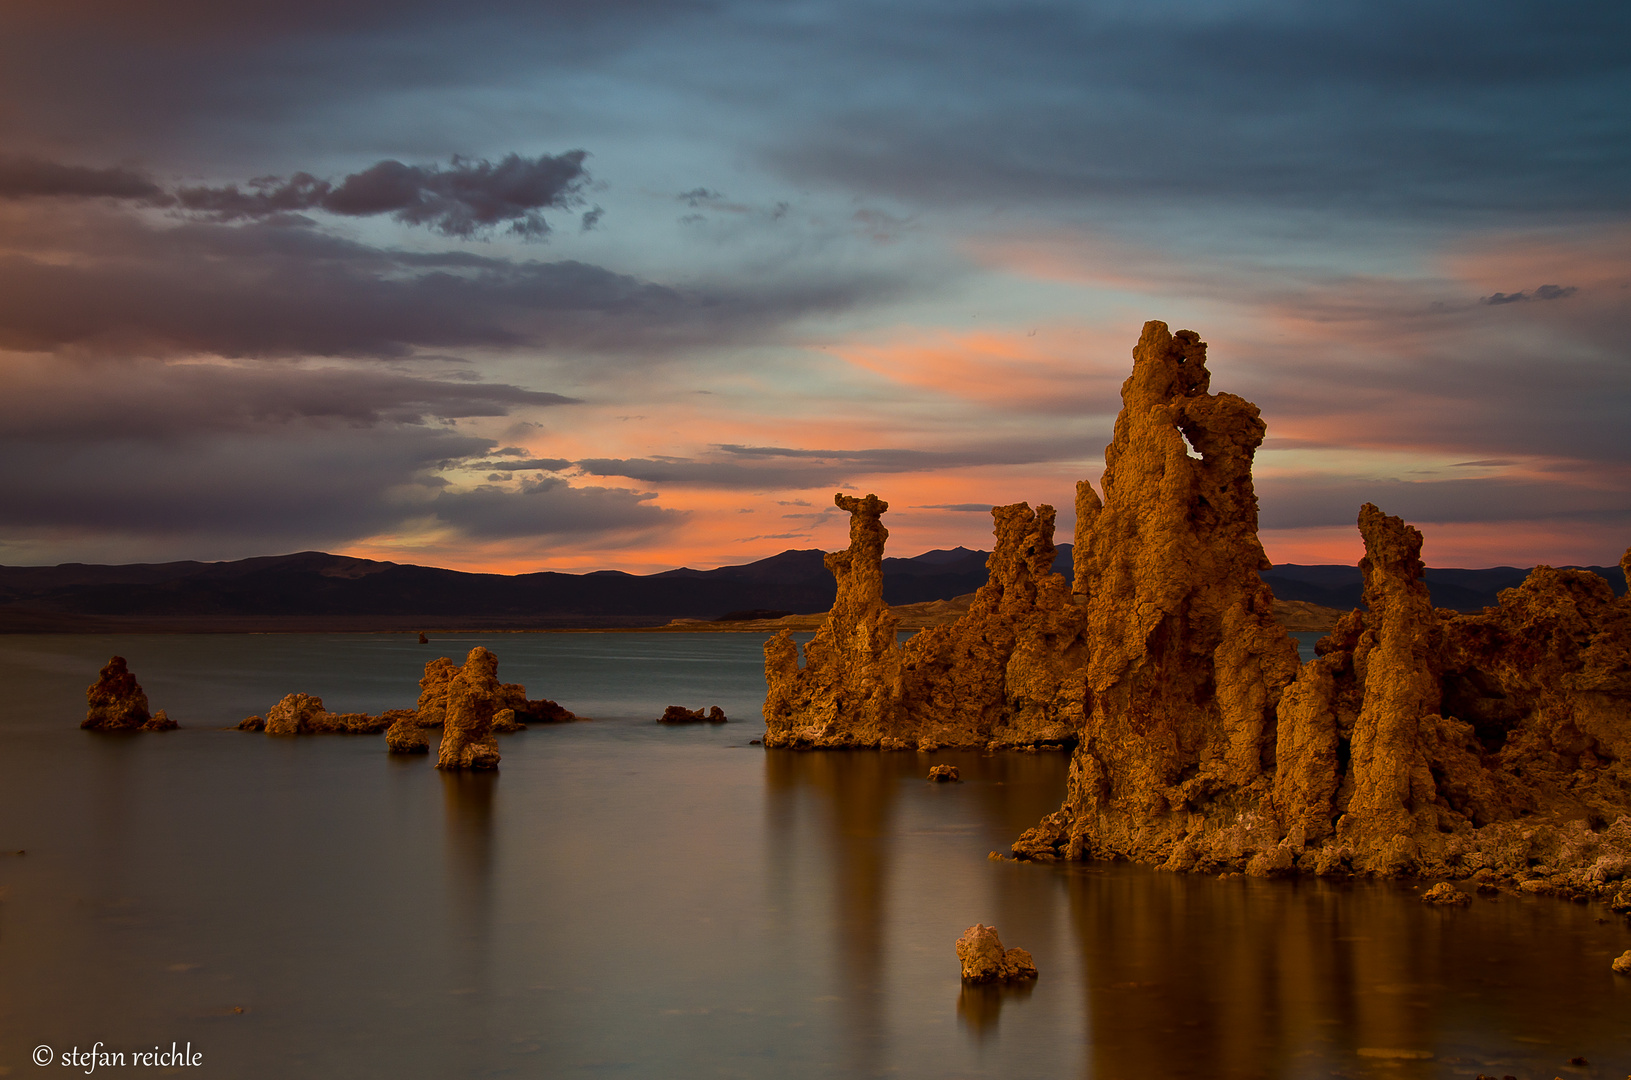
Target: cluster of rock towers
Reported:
[(1419, 741)]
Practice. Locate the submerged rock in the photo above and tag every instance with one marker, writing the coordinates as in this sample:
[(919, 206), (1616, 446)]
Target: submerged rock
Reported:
[(679, 714), (985, 960), (116, 702), (1446, 894)]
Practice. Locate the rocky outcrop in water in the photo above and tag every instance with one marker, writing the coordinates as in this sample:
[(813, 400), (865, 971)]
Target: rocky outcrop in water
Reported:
[(116, 702), (474, 695), (486, 707), (1493, 746), (437, 681), (1001, 675), (985, 960), (304, 714), (1419, 741)]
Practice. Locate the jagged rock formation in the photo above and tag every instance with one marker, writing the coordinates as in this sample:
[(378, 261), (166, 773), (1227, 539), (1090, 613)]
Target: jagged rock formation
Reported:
[(1001, 675), (474, 694), (679, 714), (116, 702), (985, 960), (943, 774), (1493, 746), (434, 686)]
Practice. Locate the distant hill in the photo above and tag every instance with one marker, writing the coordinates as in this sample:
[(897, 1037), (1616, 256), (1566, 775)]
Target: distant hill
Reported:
[(312, 590), (1461, 590), (315, 591)]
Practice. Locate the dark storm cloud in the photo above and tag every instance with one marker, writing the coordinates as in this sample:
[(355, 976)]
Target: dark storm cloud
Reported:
[(22, 178), (274, 289), (149, 77), (236, 459), (766, 467), (1442, 108), (546, 464), (463, 200), (72, 404)]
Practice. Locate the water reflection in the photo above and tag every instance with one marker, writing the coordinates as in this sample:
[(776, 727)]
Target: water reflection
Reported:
[(857, 793), (1179, 975), (1187, 976), (979, 1005), (467, 800)]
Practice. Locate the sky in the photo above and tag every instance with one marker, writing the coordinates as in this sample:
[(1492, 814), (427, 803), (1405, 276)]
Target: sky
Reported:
[(515, 286)]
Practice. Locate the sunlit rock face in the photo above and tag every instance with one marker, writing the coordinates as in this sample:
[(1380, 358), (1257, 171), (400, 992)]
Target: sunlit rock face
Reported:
[(474, 695), (999, 676), (1184, 665)]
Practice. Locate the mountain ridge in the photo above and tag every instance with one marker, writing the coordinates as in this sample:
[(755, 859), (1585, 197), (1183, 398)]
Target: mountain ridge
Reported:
[(318, 590)]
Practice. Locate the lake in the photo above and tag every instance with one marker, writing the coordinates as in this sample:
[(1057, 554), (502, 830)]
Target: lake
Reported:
[(624, 899)]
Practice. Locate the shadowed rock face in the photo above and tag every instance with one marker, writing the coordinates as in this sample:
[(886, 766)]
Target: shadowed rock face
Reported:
[(1419, 741), (116, 702)]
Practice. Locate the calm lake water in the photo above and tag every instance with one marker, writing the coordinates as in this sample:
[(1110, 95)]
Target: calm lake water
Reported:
[(628, 900)]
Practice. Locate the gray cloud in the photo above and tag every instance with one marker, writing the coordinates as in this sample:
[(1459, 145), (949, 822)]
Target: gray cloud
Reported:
[(767, 467), (1544, 292), (22, 178), (546, 464), (463, 200)]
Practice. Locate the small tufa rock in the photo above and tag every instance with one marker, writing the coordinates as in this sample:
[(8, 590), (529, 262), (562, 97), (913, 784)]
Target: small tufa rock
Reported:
[(505, 723), (1622, 963), (1447, 894), (943, 773), (252, 723), (985, 960), (116, 702), (679, 714)]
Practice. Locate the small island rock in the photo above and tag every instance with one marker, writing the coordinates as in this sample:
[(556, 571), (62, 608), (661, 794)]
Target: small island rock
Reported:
[(985, 960), (1447, 894), (473, 696), (116, 702), (943, 773), (1622, 963), (679, 714)]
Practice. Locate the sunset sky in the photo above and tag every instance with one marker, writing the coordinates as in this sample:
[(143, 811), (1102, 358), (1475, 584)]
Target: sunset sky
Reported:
[(512, 286)]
